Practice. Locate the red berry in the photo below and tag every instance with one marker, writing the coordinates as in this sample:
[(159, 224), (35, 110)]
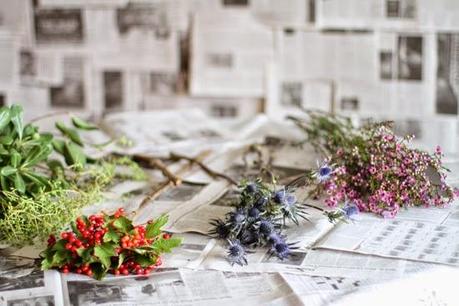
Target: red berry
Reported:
[(68, 246), (166, 236), (64, 235)]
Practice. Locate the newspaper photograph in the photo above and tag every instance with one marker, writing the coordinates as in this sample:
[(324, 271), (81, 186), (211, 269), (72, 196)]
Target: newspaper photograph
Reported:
[(23, 283)]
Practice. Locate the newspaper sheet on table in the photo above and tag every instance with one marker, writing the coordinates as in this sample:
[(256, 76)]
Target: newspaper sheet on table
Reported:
[(419, 234), (23, 283)]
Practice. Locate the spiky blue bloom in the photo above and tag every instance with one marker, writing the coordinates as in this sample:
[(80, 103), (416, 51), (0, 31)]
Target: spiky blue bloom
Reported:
[(236, 253), (237, 217), (350, 210), (274, 238), (266, 227), (220, 229), (253, 213), (261, 202), (251, 188), (281, 249), (279, 196), (324, 172)]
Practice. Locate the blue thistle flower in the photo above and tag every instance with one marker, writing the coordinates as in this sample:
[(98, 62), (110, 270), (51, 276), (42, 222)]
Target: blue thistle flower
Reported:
[(279, 196), (237, 217), (236, 253), (254, 213), (290, 200), (266, 227), (324, 172), (220, 229), (261, 203), (251, 188), (281, 249), (274, 238), (350, 210), (250, 237)]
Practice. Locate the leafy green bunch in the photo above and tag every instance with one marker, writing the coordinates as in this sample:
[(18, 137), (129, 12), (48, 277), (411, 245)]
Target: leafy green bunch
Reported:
[(46, 179), (104, 244)]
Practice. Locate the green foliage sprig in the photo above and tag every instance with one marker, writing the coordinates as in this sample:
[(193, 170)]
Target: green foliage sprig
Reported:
[(46, 179)]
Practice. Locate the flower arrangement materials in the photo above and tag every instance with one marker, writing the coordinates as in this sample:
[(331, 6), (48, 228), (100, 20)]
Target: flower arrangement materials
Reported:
[(372, 167), (104, 244), (259, 218), (45, 179)]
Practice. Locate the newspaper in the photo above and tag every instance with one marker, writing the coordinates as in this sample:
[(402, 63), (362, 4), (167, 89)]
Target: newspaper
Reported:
[(23, 283), (229, 54), (425, 236)]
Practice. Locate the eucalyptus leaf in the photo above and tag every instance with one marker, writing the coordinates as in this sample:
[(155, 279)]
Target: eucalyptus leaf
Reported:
[(59, 146), (19, 183), (16, 118), (72, 134), (4, 117), (7, 171), (74, 155), (82, 124)]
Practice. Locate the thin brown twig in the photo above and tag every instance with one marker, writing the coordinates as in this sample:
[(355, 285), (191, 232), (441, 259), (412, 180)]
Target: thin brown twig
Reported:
[(156, 191), (207, 170)]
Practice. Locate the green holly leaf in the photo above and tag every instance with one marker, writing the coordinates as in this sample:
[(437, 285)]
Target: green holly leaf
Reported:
[(123, 224), (60, 258), (104, 252), (111, 235), (98, 271), (145, 260), (82, 124), (59, 245), (166, 245), (154, 229), (85, 254), (121, 258)]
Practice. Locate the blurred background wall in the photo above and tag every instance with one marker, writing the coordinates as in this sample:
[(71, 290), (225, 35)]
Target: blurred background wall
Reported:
[(396, 59)]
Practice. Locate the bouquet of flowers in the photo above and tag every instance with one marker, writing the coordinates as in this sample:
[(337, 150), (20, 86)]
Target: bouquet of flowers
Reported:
[(372, 167), (109, 243), (259, 218)]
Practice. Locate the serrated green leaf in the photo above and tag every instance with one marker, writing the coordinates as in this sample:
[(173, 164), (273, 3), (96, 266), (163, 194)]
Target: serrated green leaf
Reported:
[(73, 155), (166, 245), (98, 270), (145, 260), (104, 252), (123, 224), (111, 235), (3, 151), (4, 117), (83, 124), (154, 229), (19, 183), (60, 257), (7, 171), (72, 134), (121, 258), (59, 245), (16, 118)]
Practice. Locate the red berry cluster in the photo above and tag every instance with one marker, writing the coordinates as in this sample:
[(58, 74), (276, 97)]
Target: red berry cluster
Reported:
[(132, 267), (89, 233)]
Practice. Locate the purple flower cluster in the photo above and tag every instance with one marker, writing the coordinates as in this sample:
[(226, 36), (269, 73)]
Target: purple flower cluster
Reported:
[(381, 174)]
